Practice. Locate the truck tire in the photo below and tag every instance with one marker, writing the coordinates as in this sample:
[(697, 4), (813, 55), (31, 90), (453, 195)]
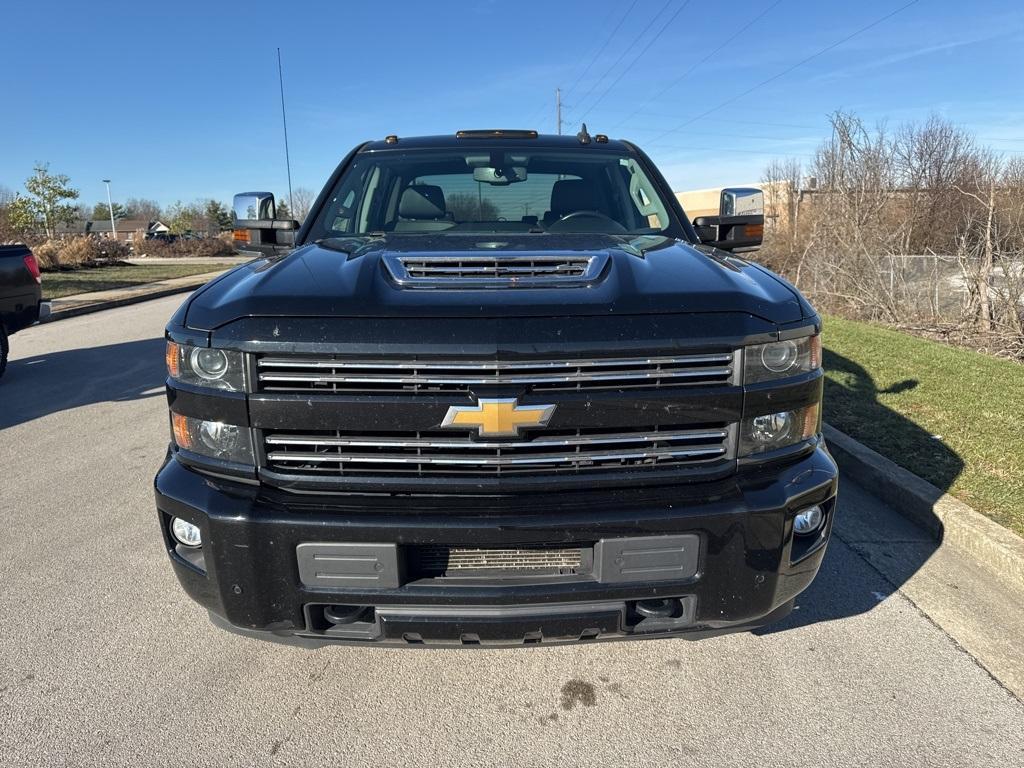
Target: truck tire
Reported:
[(4, 348)]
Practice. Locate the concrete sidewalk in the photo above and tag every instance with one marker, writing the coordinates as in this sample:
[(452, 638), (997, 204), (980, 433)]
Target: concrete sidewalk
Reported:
[(84, 303), (187, 259)]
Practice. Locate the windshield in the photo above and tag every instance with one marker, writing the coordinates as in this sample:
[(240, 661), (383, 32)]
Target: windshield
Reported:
[(493, 190)]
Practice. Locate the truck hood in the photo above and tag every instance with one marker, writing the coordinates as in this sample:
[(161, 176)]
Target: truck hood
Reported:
[(349, 278)]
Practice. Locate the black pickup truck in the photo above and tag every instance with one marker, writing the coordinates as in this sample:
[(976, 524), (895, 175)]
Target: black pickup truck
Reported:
[(20, 294), (496, 389)]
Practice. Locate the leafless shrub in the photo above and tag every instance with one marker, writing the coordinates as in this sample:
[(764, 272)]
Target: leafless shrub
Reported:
[(207, 247), (78, 251), (47, 254)]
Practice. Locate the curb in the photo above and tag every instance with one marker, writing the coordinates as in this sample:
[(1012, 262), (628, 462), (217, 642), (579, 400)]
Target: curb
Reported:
[(138, 298), (947, 519)]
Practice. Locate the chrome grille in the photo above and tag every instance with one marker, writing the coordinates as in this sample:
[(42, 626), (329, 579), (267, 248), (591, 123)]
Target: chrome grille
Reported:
[(423, 454), (335, 374), (442, 559), (496, 270)]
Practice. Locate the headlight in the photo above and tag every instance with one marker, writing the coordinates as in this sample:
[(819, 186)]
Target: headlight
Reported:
[(206, 366), (781, 359), (771, 431), (227, 442)]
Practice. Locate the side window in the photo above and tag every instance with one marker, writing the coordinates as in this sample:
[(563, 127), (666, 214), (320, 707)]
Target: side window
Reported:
[(343, 217), (339, 215), (645, 200)]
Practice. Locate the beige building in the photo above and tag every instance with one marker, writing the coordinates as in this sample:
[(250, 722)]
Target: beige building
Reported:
[(778, 201)]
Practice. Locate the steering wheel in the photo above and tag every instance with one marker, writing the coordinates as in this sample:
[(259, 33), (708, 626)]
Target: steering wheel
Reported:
[(588, 215)]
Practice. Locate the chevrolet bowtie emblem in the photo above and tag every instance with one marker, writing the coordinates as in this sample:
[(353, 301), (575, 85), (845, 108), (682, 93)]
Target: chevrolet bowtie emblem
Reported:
[(498, 417)]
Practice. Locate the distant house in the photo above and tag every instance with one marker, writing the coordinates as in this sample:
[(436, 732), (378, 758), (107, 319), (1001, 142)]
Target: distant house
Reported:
[(127, 228), (65, 229)]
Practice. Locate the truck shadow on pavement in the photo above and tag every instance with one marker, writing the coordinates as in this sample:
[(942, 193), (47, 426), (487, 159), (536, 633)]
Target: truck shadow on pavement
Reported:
[(38, 386), (874, 550)]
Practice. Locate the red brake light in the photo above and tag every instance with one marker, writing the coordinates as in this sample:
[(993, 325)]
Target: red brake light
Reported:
[(33, 267)]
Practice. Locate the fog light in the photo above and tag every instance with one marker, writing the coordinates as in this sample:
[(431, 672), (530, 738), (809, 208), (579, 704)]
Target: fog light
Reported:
[(772, 427), (221, 439), (186, 533), (808, 521)]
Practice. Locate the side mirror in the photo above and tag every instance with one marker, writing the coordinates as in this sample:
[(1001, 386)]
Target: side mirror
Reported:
[(254, 206), (256, 226), (739, 225)]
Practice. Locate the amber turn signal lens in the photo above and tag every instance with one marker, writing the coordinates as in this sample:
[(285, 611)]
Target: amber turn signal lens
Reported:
[(816, 351), (179, 425), (753, 230), (173, 359), (811, 421)]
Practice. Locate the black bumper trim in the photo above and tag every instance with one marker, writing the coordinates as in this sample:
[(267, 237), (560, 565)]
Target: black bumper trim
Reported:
[(745, 569)]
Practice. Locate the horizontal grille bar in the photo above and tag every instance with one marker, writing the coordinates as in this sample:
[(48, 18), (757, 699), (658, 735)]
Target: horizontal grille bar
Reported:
[(422, 454), (472, 365), (343, 375), (426, 268), (497, 461), (462, 443)]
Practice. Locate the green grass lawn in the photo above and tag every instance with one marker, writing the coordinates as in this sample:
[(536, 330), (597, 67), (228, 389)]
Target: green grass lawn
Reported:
[(59, 284), (952, 416)]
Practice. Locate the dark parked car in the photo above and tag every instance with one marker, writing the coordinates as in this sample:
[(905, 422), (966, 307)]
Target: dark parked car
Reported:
[(497, 389), (164, 237), (20, 294)]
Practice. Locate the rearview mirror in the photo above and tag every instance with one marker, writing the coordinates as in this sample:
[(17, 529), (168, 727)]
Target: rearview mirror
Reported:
[(739, 225), (499, 175)]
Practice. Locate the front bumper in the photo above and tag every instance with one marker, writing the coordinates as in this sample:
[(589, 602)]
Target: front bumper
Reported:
[(743, 569)]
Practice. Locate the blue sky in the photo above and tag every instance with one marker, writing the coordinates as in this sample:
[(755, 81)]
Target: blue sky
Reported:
[(180, 101)]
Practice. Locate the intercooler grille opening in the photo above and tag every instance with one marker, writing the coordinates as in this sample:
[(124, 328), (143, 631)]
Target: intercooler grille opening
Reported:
[(438, 560), (346, 375), (434, 454), (497, 270)]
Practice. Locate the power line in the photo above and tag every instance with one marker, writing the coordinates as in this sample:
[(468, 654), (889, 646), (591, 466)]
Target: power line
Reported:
[(603, 47), (759, 137), (624, 52), (787, 70), (731, 121), (729, 150), (593, 59), (690, 70), (636, 59)]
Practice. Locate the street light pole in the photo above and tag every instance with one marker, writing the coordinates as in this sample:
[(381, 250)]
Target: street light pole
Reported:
[(110, 207)]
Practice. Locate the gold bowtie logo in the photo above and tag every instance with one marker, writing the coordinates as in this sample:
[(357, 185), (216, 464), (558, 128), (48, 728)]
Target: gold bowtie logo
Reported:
[(498, 417)]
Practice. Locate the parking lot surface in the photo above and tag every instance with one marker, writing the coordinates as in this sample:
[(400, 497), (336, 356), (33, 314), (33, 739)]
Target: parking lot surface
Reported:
[(104, 661)]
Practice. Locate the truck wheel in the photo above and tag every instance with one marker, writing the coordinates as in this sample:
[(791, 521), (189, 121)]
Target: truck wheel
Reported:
[(4, 347)]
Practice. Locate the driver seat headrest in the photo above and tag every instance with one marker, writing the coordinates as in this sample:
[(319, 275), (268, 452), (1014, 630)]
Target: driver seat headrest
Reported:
[(422, 202), (571, 195)]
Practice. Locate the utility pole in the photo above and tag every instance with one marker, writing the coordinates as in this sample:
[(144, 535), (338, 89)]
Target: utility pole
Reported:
[(558, 109), (110, 207), (284, 120)]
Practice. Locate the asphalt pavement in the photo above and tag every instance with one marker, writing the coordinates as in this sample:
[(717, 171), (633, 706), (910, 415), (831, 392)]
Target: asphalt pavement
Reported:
[(105, 662)]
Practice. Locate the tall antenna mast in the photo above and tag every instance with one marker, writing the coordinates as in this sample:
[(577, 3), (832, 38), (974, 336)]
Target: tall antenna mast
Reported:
[(284, 120), (558, 109)]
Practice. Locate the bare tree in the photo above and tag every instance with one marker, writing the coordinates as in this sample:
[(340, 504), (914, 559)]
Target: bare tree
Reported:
[(917, 225), (142, 208), (302, 201)]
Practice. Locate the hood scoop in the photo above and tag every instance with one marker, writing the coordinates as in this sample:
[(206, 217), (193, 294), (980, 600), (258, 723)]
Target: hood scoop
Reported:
[(495, 270)]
